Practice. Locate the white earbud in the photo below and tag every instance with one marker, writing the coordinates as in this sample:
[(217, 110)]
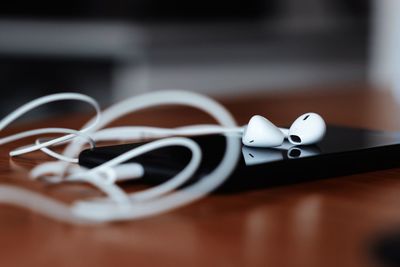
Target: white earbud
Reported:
[(307, 129), (260, 132)]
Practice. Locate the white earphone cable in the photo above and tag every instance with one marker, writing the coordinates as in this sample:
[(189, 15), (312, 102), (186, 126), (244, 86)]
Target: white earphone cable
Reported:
[(42, 101), (120, 205)]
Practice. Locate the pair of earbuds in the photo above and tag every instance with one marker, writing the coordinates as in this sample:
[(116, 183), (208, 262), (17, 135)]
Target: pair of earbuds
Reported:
[(308, 129)]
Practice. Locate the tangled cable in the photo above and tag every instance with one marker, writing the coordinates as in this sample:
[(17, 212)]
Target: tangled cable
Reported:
[(119, 205)]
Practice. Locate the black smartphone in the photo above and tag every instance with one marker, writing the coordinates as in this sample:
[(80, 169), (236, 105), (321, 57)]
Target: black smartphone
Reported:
[(342, 151)]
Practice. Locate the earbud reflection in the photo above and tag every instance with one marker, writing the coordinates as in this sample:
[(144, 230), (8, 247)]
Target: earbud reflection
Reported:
[(301, 152), (255, 156)]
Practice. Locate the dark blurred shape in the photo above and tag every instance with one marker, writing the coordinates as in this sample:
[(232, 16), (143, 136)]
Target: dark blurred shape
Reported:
[(386, 249), (112, 50), (25, 78), (139, 10)]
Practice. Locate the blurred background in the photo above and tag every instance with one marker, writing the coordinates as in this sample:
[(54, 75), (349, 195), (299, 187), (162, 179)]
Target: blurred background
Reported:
[(115, 49)]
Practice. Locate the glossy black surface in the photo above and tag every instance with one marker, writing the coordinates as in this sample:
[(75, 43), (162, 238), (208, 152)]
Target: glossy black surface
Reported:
[(343, 151)]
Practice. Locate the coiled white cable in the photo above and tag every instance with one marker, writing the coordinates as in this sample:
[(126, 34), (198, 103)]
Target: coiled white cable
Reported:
[(42, 101), (43, 145), (109, 212), (118, 205)]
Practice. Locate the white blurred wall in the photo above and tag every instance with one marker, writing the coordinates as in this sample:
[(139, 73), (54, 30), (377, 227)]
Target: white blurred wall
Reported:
[(385, 45)]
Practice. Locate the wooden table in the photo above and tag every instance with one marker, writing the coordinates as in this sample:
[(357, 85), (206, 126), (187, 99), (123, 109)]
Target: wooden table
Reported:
[(320, 223)]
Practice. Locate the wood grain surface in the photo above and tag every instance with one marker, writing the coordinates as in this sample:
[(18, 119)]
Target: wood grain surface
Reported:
[(328, 222)]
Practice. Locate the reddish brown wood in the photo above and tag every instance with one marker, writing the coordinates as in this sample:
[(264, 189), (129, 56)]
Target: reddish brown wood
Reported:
[(320, 223)]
